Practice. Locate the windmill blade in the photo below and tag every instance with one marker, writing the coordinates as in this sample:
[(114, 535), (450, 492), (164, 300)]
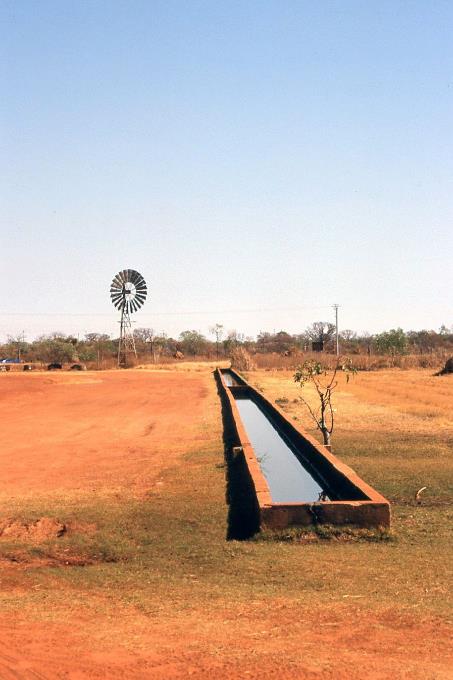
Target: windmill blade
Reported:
[(138, 277), (141, 291), (135, 277)]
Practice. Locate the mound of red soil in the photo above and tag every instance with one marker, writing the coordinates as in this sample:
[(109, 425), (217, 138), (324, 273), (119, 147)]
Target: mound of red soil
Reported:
[(42, 529)]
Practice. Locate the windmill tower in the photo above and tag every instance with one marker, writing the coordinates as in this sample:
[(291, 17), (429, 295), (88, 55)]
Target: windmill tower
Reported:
[(128, 293)]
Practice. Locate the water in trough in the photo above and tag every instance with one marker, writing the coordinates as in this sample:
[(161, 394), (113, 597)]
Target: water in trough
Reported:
[(288, 480), (229, 379)]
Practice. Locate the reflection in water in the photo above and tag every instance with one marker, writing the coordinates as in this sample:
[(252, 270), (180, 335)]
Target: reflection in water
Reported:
[(288, 480), (229, 380)]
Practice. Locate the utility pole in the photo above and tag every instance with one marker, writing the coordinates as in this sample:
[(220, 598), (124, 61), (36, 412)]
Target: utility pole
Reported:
[(337, 345)]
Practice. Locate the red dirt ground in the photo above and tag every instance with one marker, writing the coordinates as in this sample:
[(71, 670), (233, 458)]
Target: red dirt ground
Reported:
[(60, 434), (339, 645)]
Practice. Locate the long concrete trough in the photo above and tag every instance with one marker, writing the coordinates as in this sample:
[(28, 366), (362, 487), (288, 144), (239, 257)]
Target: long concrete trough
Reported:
[(344, 498)]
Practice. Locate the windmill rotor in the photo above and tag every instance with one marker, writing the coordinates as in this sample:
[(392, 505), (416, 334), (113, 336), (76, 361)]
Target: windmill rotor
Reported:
[(128, 292)]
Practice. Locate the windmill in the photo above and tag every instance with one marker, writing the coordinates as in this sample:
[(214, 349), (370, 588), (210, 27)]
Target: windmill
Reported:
[(128, 293)]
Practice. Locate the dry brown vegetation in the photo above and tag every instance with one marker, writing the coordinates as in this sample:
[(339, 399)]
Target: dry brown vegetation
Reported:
[(142, 583), (363, 362)]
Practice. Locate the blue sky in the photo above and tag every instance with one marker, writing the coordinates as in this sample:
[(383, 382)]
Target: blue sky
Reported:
[(255, 161)]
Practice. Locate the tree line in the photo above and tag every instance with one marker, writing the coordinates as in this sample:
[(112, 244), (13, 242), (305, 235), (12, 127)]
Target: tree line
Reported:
[(97, 348)]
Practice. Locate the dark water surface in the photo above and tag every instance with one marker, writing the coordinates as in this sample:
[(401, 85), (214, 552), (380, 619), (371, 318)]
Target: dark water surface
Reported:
[(288, 480)]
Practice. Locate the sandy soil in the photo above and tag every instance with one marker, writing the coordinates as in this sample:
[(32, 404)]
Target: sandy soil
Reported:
[(66, 432), (335, 644)]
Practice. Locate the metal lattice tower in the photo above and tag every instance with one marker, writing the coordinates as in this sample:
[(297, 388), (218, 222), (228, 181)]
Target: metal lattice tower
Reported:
[(128, 293)]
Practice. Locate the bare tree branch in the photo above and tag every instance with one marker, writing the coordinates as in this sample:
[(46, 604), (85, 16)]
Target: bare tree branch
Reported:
[(324, 384)]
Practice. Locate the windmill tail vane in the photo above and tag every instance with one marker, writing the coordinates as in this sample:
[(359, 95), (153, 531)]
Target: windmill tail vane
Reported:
[(128, 293)]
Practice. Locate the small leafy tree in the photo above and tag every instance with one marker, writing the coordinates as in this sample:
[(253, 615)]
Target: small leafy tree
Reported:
[(96, 346), (192, 342), (55, 347), (324, 383), (391, 342)]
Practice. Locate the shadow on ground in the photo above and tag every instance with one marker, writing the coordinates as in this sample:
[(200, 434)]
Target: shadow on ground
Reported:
[(243, 511)]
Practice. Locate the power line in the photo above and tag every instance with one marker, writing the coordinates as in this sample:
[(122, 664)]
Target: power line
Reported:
[(176, 313)]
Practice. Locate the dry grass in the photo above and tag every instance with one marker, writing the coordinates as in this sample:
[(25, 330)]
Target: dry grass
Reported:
[(273, 361), (393, 427), (387, 400), (195, 366)]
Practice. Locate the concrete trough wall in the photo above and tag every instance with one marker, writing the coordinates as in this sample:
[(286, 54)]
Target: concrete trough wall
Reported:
[(353, 501)]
